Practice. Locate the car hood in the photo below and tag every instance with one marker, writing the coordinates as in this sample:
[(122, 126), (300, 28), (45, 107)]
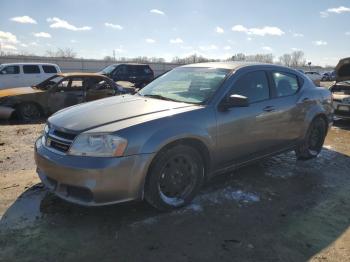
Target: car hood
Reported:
[(102, 112), (18, 91), (342, 70)]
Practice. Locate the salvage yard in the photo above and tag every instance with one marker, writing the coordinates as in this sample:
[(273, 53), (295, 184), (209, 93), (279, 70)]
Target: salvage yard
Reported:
[(277, 210)]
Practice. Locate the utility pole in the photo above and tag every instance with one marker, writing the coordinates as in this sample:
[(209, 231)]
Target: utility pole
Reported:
[(113, 55)]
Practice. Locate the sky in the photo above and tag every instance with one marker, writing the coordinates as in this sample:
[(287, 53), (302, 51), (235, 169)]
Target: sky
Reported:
[(214, 29)]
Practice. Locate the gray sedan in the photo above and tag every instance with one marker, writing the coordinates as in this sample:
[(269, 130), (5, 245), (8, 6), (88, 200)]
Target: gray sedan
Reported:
[(186, 126)]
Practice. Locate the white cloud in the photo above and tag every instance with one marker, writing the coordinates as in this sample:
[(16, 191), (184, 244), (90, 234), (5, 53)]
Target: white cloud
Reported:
[(298, 35), (73, 41), (42, 34), (263, 31), (339, 10), (157, 11), (23, 19), (319, 42), (267, 48), (227, 47), (249, 38), (150, 40), (23, 45), (334, 10), (219, 30), (8, 37), (347, 33), (208, 47), (8, 47), (114, 26), (59, 23), (34, 43), (295, 49), (239, 28), (176, 41)]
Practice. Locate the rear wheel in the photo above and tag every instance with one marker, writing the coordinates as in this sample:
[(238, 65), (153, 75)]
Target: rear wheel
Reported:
[(28, 111), (312, 144), (175, 177)]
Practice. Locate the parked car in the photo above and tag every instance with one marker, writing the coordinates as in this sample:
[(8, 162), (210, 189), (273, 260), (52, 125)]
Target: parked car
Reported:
[(183, 128), (314, 76), (328, 76), (25, 74), (55, 93), (341, 90), (139, 74)]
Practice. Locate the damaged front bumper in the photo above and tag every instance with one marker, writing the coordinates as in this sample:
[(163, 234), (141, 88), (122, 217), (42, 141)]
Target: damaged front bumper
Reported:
[(6, 112)]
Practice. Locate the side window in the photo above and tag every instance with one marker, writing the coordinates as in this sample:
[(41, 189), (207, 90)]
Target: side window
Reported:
[(93, 84), (48, 69), (63, 85), (121, 70), (253, 85), (286, 84), (31, 69), (10, 70)]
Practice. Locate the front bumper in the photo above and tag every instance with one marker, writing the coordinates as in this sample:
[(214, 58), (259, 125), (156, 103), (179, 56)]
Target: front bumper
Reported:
[(92, 181), (6, 112), (341, 114)]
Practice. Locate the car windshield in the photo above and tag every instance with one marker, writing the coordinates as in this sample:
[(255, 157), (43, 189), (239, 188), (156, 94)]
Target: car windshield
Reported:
[(109, 69), (48, 83), (186, 84)]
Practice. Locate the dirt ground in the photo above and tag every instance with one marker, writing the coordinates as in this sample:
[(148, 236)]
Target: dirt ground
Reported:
[(278, 209)]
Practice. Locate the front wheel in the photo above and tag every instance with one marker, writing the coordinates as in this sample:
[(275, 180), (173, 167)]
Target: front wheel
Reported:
[(174, 178), (312, 144), (28, 112)]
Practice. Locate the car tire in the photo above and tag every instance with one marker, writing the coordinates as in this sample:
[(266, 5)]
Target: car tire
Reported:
[(312, 144), (174, 178), (28, 111)]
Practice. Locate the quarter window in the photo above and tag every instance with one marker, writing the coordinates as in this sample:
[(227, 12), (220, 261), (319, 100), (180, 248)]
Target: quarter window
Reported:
[(48, 69), (254, 86), (10, 70), (286, 84), (31, 69)]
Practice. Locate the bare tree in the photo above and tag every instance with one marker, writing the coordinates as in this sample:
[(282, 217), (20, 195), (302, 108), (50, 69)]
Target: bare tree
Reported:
[(297, 59), (62, 52), (286, 59)]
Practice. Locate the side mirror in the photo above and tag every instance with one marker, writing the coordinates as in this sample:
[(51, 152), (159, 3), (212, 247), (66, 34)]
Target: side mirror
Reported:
[(234, 101)]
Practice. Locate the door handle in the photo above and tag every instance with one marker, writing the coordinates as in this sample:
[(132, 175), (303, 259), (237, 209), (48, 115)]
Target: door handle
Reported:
[(269, 108)]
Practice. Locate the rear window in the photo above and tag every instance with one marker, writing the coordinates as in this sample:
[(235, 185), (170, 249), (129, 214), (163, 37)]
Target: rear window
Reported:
[(10, 70), (48, 69), (31, 69), (286, 84)]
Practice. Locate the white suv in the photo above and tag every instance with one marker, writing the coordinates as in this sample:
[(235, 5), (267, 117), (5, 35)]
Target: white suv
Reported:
[(25, 74)]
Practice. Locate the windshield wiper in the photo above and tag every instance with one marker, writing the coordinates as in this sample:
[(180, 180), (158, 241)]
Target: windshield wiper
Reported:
[(161, 97)]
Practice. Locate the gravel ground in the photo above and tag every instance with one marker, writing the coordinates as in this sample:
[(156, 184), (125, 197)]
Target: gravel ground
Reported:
[(277, 210)]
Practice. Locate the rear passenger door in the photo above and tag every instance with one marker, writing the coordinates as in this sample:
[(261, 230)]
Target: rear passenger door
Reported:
[(291, 114), (68, 92), (244, 133), (31, 75)]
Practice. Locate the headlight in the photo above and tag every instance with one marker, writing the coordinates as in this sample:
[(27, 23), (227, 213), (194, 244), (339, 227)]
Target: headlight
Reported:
[(100, 145), (46, 129)]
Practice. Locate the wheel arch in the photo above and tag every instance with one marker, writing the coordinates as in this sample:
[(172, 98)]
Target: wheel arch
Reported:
[(195, 143)]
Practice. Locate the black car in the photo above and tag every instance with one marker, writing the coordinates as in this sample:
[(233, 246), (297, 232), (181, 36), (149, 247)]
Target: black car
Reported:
[(139, 74)]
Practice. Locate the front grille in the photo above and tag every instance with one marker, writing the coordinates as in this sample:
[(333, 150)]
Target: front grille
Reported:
[(337, 100), (59, 140), (342, 113)]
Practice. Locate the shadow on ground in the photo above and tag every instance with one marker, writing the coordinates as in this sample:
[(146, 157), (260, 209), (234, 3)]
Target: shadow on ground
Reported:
[(277, 210)]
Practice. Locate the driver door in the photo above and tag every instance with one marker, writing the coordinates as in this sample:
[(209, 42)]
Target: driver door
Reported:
[(68, 92)]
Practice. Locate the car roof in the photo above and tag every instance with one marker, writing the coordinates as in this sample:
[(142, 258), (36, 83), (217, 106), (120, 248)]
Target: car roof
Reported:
[(134, 64), (77, 74), (231, 65), (28, 63)]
